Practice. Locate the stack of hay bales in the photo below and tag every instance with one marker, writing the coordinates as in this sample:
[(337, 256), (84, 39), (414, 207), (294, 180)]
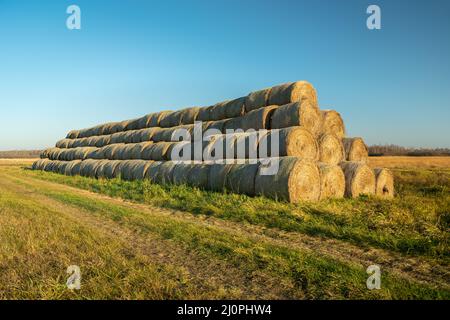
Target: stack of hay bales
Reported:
[(315, 159)]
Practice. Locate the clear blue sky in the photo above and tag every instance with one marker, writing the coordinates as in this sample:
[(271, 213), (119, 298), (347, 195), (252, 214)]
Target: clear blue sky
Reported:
[(135, 57)]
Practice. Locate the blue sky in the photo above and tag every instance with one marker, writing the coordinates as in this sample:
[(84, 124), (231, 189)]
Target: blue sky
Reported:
[(135, 57)]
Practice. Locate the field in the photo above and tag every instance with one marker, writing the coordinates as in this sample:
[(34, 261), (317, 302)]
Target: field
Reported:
[(135, 240)]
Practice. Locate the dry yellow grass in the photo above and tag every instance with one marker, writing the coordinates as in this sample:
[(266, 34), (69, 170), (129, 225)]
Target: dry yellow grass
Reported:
[(409, 162)]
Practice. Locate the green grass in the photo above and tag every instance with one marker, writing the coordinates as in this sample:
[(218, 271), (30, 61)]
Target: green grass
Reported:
[(415, 223)]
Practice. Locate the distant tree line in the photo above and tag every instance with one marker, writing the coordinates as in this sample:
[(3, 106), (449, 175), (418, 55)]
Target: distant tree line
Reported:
[(20, 154), (394, 150)]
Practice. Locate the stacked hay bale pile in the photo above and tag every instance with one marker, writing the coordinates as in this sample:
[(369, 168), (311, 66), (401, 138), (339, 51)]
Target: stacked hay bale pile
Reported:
[(315, 158)]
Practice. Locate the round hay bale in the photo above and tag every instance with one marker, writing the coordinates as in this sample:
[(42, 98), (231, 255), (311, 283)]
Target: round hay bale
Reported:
[(118, 137), (181, 172), (100, 169), (82, 153), (241, 178), (205, 114), (217, 176), (82, 142), (73, 134), (296, 180), (359, 179), (69, 170), (162, 135), (110, 150), (218, 111), (161, 172), (160, 151), (297, 114), (91, 141), (103, 141), (133, 124), (88, 168), (147, 134), (292, 141), (332, 123), (117, 127), (171, 119), (75, 169), (110, 169), (153, 171), (189, 115), (124, 152), (355, 149), (63, 144), (214, 125), (136, 150), (39, 164), (257, 99), (246, 144), (156, 118), (384, 185), (299, 91), (97, 154), (331, 149), (198, 175), (332, 181), (233, 124), (258, 119), (134, 169)]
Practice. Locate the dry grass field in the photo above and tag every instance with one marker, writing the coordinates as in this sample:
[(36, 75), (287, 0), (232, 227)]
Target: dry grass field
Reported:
[(135, 240), (410, 162)]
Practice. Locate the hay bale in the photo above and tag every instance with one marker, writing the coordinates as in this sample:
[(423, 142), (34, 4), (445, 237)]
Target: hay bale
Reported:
[(233, 124), (134, 169), (110, 150), (227, 109), (355, 149), (70, 168), (110, 169), (331, 149), (359, 179), (292, 141), (171, 119), (198, 175), (40, 164), (332, 123), (118, 137), (205, 114), (157, 119), (189, 115), (161, 172), (146, 134), (123, 152), (73, 134), (181, 172), (214, 125), (235, 108), (88, 168), (100, 169), (296, 180), (384, 185), (241, 178), (133, 124), (257, 99), (297, 114), (217, 176), (63, 143), (160, 151), (299, 91), (332, 181), (258, 119)]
